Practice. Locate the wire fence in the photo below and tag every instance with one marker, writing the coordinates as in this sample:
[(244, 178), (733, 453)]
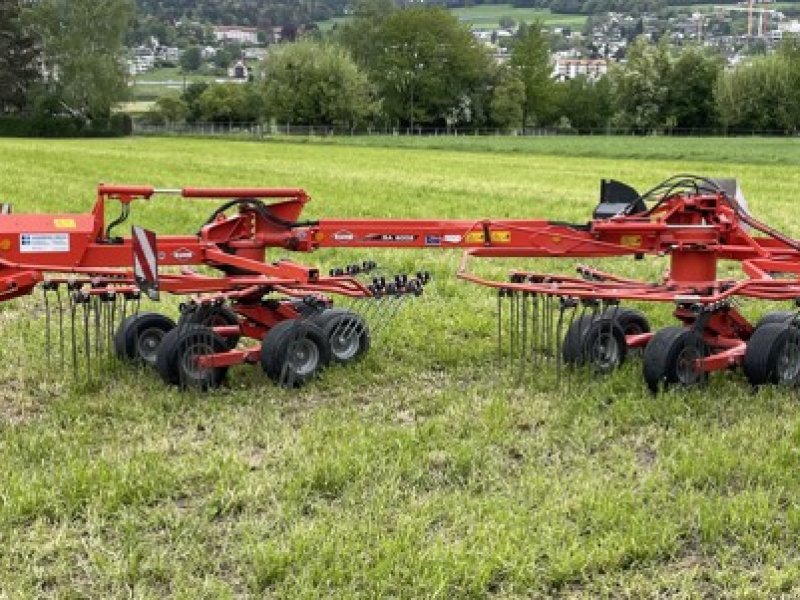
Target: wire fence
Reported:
[(258, 131)]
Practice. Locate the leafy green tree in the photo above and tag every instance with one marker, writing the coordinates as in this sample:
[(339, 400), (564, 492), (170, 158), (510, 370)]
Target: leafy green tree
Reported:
[(587, 105), (641, 87), (789, 50), (362, 34), (758, 96), (506, 108), (530, 61), (231, 103), (18, 57), (192, 59), (172, 109), (84, 53), (191, 97), (428, 67), (690, 89), (226, 55), (308, 83)]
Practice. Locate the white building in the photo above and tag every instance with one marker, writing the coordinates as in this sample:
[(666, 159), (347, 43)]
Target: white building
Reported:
[(142, 61), (170, 54), (570, 68), (235, 33), (254, 53), (238, 70)]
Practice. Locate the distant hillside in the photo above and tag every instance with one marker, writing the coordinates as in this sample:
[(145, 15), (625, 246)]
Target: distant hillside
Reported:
[(268, 13), (254, 13)]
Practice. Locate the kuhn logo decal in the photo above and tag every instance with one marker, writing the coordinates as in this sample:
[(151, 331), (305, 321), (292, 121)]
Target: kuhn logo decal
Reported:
[(343, 236), (183, 254)]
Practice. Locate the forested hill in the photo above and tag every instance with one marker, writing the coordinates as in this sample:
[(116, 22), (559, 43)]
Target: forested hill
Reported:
[(254, 13), (589, 7), (266, 13)]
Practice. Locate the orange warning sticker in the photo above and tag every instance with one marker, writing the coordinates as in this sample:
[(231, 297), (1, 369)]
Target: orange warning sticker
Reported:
[(501, 237), (474, 237), (497, 237), (631, 241)]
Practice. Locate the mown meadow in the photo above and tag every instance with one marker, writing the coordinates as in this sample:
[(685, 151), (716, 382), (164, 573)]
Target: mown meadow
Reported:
[(429, 469)]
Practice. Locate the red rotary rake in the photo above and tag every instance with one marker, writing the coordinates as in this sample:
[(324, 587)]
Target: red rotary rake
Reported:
[(288, 308)]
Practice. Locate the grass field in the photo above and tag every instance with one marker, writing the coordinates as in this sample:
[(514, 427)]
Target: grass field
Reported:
[(490, 14), (688, 150), (166, 81), (424, 471)]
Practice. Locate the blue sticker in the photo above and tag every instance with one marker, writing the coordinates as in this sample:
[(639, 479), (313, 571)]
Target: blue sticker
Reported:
[(433, 240)]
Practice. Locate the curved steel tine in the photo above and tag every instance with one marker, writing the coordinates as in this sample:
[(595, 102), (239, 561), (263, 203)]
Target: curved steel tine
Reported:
[(562, 307), (513, 324), (391, 305), (523, 332), (60, 326), (345, 328), (534, 325), (48, 347), (581, 324), (73, 309), (569, 371), (87, 339), (95, 306), (548, 322), (500, 327)]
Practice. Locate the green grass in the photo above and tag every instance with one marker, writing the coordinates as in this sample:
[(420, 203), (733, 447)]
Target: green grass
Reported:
[(172, 74), (689, 150), (424, 471), (490, 14), (153, 84)]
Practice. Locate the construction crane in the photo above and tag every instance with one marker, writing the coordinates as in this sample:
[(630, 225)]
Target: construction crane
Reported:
[(751, 9)]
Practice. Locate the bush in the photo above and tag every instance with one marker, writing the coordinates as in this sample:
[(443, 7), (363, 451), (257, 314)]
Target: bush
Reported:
[(48, 126)]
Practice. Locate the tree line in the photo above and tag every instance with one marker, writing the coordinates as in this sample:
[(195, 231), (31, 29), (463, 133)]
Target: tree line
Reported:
[(420, 69), (409, 69), (61, 65)]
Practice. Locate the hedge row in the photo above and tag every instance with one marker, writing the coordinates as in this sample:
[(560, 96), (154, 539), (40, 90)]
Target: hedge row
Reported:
[(65, 127)]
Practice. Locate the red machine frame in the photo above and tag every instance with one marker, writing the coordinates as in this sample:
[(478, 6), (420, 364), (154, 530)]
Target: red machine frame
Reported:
[(695, 230)]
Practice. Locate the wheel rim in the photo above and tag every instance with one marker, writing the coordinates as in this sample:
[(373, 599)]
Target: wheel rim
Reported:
[(788, 366), (303, 357), (604, 352), (345, 340), (148, 342), (685, 370), (192, 371)]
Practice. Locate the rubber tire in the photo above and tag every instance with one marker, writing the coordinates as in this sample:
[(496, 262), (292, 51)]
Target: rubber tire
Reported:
[(582, 333), (764, 349), (661, 356), (168, 363), (776, 316), (631, 321), (220, 315), (126, 346), (275, 345), (329, 320)]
